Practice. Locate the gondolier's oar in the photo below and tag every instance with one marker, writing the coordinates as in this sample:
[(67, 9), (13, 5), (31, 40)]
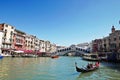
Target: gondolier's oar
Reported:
[(84, 67), (75, 64)]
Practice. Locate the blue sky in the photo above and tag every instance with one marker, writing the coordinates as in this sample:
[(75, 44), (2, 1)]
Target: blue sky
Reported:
[(63, 22)]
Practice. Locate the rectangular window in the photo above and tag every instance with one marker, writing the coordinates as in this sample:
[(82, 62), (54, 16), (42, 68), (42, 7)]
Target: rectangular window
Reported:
[(118, 33), (104, 40), (6, 25), (11, 33), (5, 35), (114, 45), (1, 28), (5, 30), (114, 39)]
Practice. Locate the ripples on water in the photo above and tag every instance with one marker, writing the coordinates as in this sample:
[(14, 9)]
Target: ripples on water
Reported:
[(45, 68)]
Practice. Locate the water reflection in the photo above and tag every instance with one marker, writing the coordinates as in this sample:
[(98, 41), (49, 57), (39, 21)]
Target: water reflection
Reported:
[(45, 68), (115, 66)]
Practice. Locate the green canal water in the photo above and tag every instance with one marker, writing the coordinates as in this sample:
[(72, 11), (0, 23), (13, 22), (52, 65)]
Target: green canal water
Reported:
[(45, 68)]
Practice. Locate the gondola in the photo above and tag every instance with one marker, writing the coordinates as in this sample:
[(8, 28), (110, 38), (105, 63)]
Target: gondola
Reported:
[(86, 69)]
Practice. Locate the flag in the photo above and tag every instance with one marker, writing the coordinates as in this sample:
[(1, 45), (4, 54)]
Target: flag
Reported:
[(119, 21)]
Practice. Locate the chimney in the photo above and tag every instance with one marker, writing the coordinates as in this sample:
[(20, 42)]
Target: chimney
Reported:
[(113, 29)]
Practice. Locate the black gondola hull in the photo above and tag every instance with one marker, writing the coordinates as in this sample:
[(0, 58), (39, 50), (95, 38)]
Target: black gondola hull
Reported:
[(86, 69)]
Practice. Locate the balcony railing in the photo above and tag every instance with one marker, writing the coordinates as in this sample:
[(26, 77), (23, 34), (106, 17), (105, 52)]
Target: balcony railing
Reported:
[(18, 43), (6, 42), (6, 47)]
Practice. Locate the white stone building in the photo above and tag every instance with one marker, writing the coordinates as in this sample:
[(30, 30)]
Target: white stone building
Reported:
[(53, 48), (1, 35), (7, 40), (42, 45)]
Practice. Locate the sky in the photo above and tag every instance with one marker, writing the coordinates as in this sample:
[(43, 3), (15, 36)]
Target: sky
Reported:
[(63, 22)]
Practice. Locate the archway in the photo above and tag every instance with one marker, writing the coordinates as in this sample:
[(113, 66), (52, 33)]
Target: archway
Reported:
[(72, 53)]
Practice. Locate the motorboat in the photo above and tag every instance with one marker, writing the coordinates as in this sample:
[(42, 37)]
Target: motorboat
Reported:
[(91, 57), (55, 56)]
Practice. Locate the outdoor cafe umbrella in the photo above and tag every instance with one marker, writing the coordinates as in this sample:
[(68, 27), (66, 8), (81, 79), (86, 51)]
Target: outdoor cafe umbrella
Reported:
[(28, 51)]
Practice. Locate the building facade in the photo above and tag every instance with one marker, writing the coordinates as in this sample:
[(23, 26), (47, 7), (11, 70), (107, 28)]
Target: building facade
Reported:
[(53, 48), (29, 42), (110, 43), (19, 40), (105, 44), (14, 39), (42, 45), (96, 45), (1, 36), (47, 46), (114, 39), (36, 44), (7, 40)]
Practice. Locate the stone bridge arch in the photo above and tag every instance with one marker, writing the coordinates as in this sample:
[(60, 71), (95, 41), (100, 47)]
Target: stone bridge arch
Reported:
[(72, 53), (73, 49)]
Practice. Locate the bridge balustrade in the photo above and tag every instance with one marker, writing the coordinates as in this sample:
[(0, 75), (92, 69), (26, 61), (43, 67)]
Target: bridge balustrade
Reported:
[(71, 49)]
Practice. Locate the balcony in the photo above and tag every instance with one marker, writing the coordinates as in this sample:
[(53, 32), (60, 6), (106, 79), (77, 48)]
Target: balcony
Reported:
[(18, 43), (6, 42), (6, 47)]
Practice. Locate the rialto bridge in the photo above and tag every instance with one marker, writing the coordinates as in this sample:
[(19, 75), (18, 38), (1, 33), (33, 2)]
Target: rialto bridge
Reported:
[(72, 50)]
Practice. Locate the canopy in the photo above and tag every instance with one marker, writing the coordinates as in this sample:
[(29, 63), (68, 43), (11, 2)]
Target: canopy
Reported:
[(19, 51), (28, 51)]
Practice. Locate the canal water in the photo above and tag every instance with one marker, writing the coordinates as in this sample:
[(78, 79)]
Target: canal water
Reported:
[(63, 68)]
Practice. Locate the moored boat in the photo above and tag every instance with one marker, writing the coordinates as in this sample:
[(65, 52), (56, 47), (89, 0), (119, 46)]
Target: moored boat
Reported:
[(55, 56), (30, 55), (1, 57), (87, 69), (91, 57), (103, 56)]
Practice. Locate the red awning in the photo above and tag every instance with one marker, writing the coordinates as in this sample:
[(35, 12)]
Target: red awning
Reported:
[(28, 51)]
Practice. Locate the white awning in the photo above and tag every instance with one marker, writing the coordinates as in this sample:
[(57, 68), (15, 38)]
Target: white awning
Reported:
[(19, 51)]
